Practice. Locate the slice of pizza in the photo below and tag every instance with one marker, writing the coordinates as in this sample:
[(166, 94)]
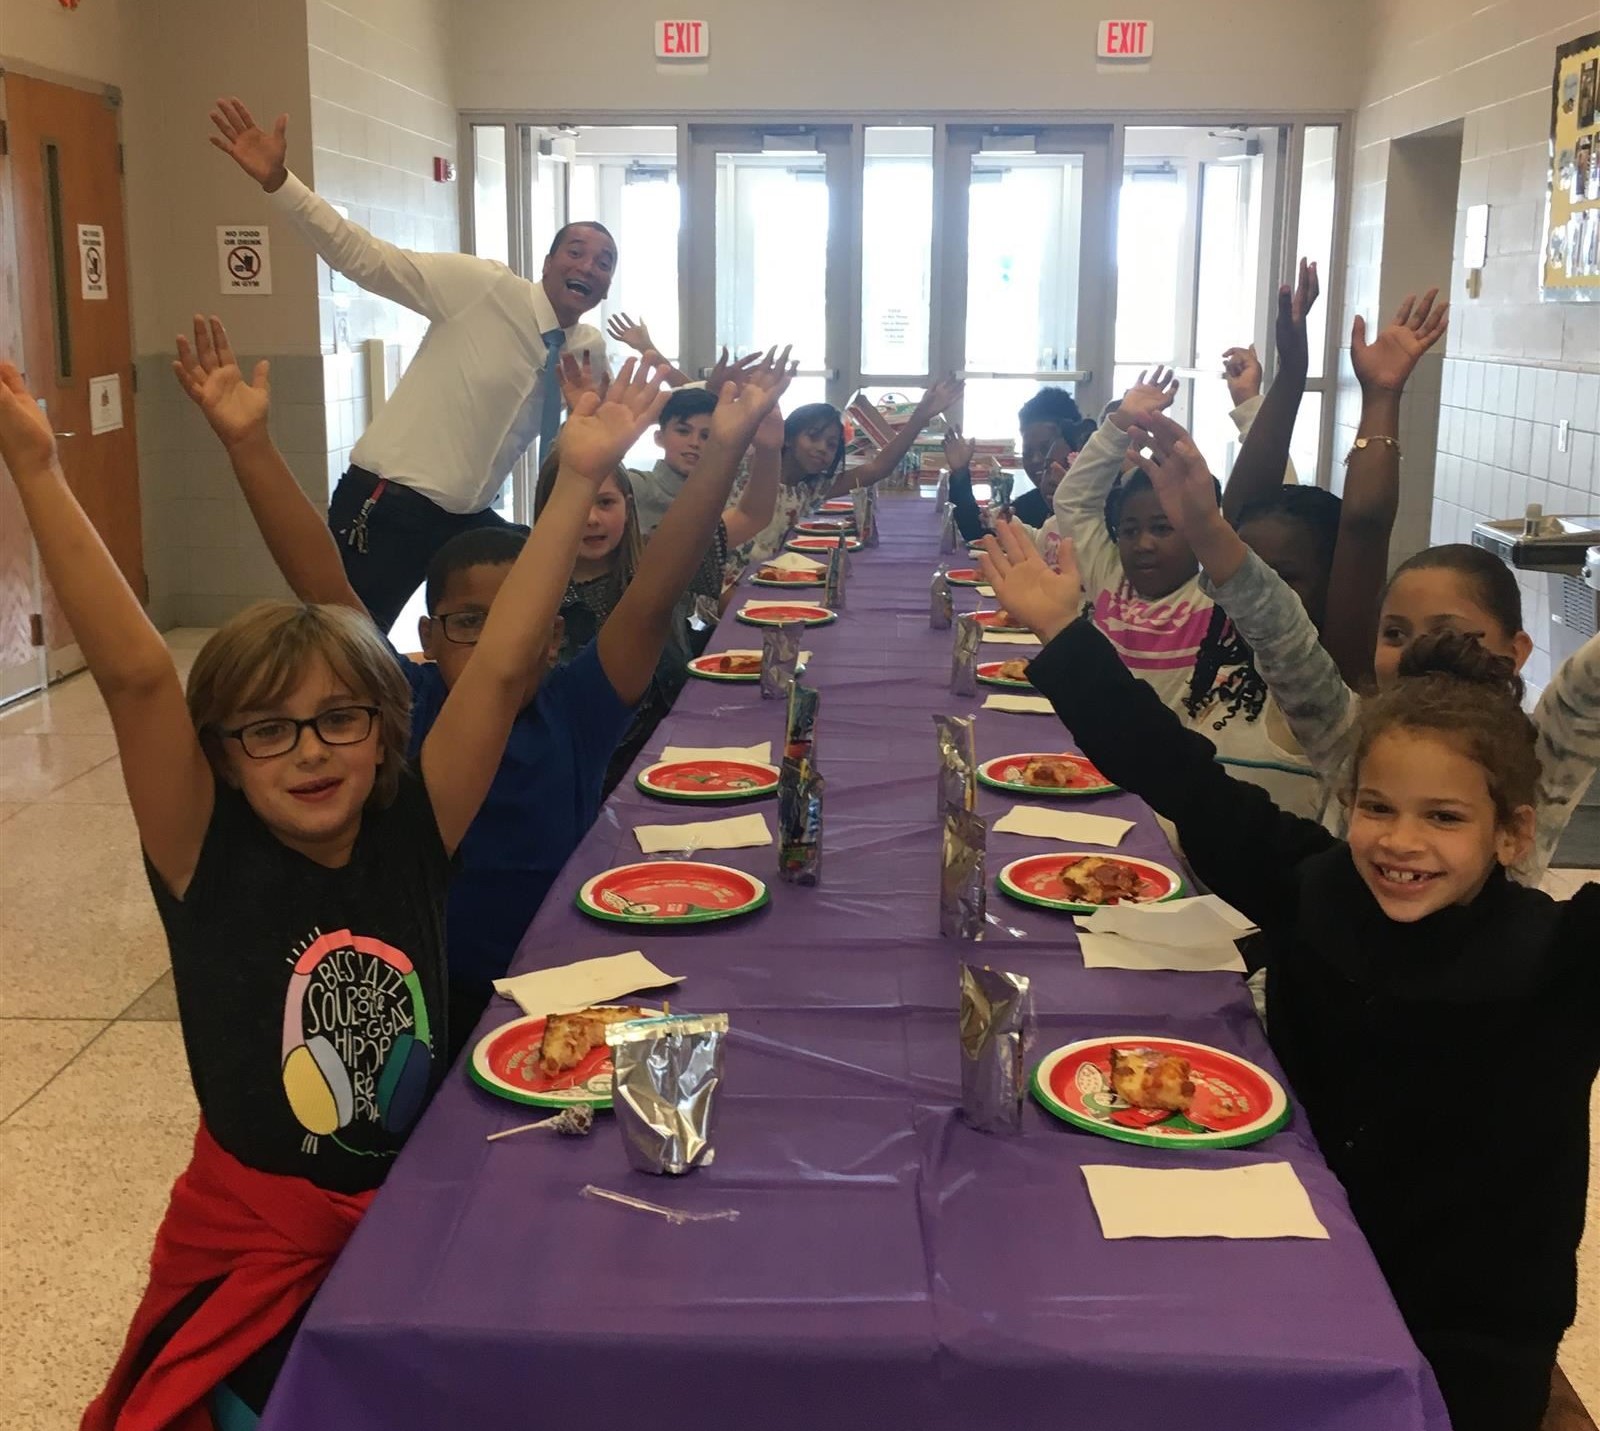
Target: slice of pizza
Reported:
[(1049, 774), (739, 663), (1093, 880), (1013, 670), (569, 1038), (1147, 1078)]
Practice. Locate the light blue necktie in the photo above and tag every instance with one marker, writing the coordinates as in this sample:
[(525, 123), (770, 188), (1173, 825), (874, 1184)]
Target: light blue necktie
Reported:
[(550, 413)]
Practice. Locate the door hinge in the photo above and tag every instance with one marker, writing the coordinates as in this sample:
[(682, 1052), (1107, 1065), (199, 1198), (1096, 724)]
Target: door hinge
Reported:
[(5, 139), (36, 629), (133, 377), (122, 167)]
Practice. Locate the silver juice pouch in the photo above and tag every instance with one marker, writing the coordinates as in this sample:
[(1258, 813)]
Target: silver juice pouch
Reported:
[(800, 726), (949, 532), (941, 603), (996, 1032), (958, 763), (833, 590), (963, 892), (800, 792), (1002, 484), (964, 661), (866, 505), (780, 654), (664, 1092), (941, 493)]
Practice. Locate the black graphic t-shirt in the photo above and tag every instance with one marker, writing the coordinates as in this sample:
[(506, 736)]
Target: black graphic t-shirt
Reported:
[(312, 1000)]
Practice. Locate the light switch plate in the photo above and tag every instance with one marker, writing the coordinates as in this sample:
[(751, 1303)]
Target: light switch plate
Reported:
[(1563, 435)]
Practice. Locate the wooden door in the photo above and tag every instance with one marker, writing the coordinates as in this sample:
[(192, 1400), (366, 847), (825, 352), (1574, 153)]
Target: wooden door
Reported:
[(62, 178)]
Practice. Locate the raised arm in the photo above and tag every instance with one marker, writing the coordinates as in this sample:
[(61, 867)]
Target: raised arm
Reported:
[(942, 395), (432, 284), (630, 642), (958, 452), (295, 534), (1372, 481), (1568, 721), (168, 778), (463, 750), (1301, 675), (1121, 725), (1080, 500), (747, 518), (1259, 471)]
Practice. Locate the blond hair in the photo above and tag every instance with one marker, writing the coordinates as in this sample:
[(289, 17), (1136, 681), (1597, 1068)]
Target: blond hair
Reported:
[(625, 557), (260, 656)]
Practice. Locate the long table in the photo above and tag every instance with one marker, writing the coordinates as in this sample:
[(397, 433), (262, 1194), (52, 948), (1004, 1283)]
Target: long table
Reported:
[(890, 1267)]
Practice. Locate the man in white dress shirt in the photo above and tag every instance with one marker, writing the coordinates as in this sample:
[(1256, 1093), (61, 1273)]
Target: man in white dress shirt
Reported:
[(483, 386)]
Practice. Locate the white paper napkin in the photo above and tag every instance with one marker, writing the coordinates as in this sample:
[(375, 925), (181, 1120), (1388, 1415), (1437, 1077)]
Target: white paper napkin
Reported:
[(738, 832), (759, 754), (1009, 638), (1258, 1200), (1019, 705), (794, 561), (986, 591), (1067, 825), (589, 981), (1188, 935)]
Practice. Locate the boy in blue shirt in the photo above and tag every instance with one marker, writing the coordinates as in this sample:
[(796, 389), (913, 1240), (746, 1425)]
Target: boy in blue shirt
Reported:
[(546, 792)]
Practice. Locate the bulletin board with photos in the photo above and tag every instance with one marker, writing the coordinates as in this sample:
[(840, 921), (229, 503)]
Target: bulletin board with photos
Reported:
[(1572, 217)]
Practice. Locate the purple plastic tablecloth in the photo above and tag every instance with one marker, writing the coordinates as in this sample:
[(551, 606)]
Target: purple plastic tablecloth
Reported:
[(890, 1268)]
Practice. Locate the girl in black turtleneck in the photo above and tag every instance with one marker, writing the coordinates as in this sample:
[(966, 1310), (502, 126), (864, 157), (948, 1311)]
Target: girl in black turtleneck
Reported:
[(1439, 1023)]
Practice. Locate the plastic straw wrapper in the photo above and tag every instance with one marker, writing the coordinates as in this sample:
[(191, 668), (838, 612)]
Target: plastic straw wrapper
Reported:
[(677, 1216), (996, 1032)]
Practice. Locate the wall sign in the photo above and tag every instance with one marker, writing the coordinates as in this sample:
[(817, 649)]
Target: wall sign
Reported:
[(92, 260), (683, 40), (244, 258), (105, 404), (1571, 264), (1127, 39)]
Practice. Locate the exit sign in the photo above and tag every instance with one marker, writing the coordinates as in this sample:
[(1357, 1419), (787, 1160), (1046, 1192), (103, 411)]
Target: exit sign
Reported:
[(1127, 39), (682, 39)]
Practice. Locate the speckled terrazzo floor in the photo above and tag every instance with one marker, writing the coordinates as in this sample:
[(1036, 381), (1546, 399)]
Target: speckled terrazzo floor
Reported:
[(96, 1114)]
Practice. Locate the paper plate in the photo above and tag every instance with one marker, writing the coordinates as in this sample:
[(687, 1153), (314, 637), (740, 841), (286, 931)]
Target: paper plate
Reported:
[(708, 779), (990, 621), (827, 526), (777, 613), (705, 667), (791, 578), (1032, 878), (838, 504), (821, 544), (989, 674), (1004, 772), (965, 576), (671, 892), (1235, 1101), (506, 1062)]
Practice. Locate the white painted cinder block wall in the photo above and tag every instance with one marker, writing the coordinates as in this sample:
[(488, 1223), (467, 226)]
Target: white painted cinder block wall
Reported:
[(1513, 367)]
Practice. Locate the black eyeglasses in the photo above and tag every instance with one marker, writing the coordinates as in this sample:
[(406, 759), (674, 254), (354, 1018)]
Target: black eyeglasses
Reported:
[(343, 725), (463, 627)]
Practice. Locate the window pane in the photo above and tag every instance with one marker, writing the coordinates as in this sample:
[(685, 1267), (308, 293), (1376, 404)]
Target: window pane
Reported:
[(626, 177), (1150, 225), (1306, 444), (1318, 172), (896, 250), (1023, 226), (772, 253), (489, 234), (1225, 296)]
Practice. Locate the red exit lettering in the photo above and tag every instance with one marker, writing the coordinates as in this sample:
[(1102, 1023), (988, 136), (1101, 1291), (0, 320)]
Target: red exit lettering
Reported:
[(1126, 38), (682, 37)]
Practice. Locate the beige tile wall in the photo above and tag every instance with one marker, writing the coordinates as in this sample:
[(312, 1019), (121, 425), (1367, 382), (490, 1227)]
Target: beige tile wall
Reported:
[(1513, 367)]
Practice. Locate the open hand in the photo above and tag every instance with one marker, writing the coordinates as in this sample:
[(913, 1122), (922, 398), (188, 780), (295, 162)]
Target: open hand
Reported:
[(600, 431), (211, 376), (941, 397), (958, 450), (578, 378), (1045, 601), (1155, 391), (27, 444), (724, 371), (1178, 472), (1241, 370), (259, 154), (1293, 354), (743, 407), (1387, 362), (629, 331)]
